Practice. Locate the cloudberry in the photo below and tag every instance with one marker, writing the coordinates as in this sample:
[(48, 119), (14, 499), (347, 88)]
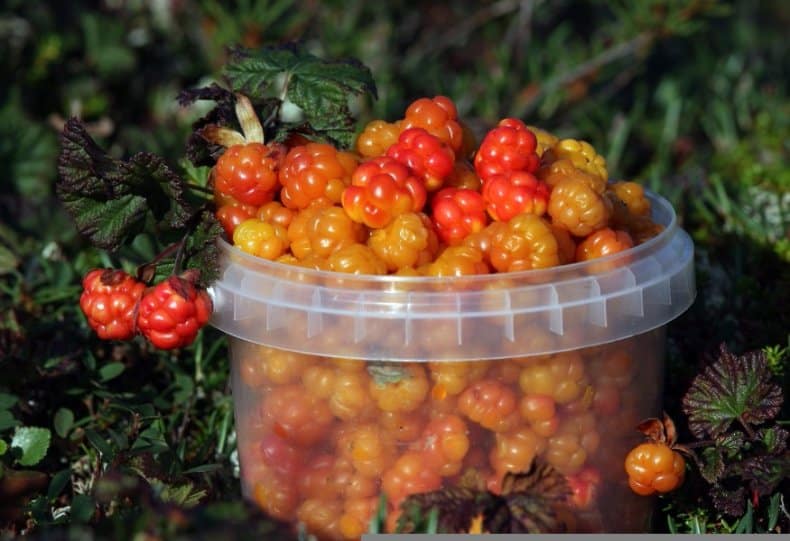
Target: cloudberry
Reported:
[(409, 241), (426, 156), (356, 259), (249, 172), (109, 299), (574, 205), (380, 190), (457, 213), (261, 239), (315, 173), (581, 154), (515, 193), (377, 137), (439, 117), (602, 243), (171, 313), (654, 467), (526, 243), (507, 148)]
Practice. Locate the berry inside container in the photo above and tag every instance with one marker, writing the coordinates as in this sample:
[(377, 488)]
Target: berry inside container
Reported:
[(349, 386)]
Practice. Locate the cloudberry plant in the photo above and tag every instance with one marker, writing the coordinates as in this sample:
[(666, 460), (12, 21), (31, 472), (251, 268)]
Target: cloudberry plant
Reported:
[(109, 299)]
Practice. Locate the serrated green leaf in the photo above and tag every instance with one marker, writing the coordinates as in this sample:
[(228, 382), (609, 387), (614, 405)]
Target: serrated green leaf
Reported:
[(33, 443), (711, 465), (731, 443), (765, 472), (320, 88), (734, 388), (64, 420), (110, 200), (775, 439), (202, 252), (110, 371)]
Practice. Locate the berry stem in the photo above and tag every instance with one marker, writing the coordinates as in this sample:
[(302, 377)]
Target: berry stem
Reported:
[(145, 272)]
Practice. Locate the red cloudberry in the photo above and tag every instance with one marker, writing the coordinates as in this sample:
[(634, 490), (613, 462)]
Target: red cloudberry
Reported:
[(109, 299), (457, 213), (515, 193), (507, 148), (425, 155), (248, 172), (380, 190), (171, 313)]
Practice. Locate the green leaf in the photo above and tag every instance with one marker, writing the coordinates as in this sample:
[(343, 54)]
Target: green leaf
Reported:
[(28, 152), (201, 250), (58, 483), (321, 88), (8, 260), (99, 443), (64, 420), (7, 401), (82, 508), (110, 371), (3, 448), (33, 442), (711, 465), (7, 420), (110, 200), (734, 388)]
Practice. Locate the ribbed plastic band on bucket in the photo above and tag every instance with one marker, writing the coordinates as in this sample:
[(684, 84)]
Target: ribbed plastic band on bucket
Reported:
[(477, 317)]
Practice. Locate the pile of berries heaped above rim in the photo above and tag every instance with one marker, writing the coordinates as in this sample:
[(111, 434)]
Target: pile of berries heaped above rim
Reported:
[(419, 197)]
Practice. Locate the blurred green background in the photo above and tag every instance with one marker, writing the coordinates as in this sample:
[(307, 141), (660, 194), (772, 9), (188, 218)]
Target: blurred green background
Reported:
[(687, 96)]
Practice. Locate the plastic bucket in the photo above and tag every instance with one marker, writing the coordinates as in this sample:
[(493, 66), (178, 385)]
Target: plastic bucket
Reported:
[(346, 385)]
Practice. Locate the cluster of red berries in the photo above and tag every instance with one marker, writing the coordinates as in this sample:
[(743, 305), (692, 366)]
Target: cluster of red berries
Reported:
[(415, 189), (169, 315)]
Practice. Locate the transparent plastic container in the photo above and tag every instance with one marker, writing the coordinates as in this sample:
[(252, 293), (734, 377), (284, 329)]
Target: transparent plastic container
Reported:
[(348, 386)]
